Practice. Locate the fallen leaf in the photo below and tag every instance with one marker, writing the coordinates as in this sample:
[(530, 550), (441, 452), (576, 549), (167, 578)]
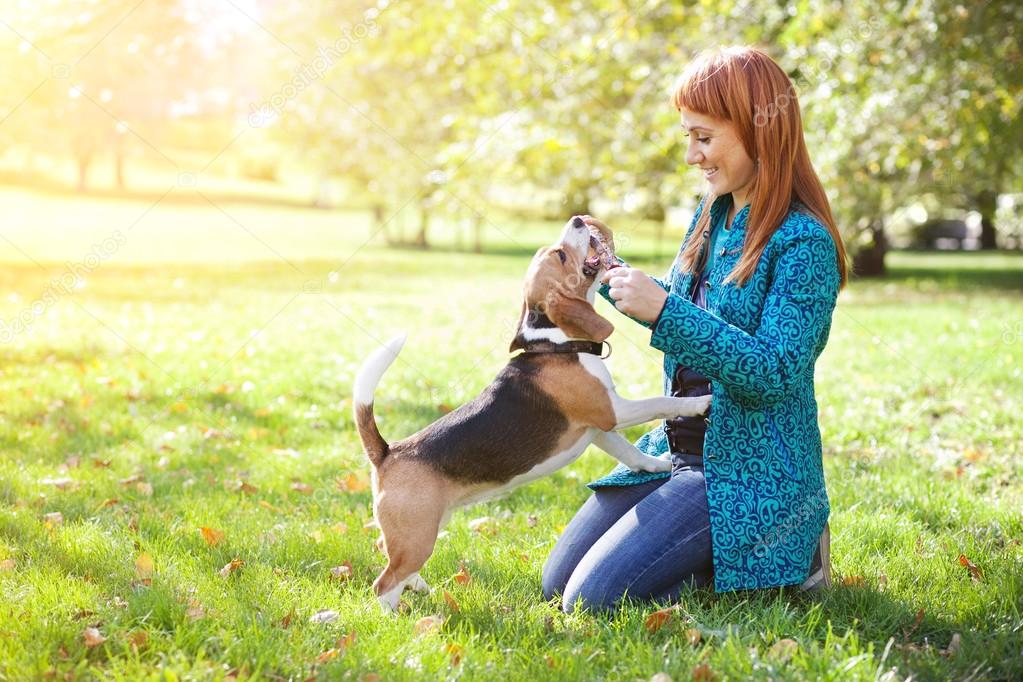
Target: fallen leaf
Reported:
[(342, 572), (784, 648), (109, 502), (303, 488), (351, 484), (326, 616), (245, 487), (661, 677), (703, 673), (138, 638), (134, 478), (455, 651), (230, 568), (452, 604), (853, 580), (483, 524), (144, 566), (427, 625), (143, 488), (212, 536), (93, 638), (693, 636), (345, 641), (101, 463), (285, 622), (531, 520), (327, 655), (462, 577), (975, 572), (8, 565), (658, 619), (882, 583), (266, 505)]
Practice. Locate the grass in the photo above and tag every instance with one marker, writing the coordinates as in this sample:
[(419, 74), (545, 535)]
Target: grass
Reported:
[(199, 380)]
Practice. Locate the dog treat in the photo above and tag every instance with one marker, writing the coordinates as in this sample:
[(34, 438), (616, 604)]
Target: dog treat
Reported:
[(604, 255)]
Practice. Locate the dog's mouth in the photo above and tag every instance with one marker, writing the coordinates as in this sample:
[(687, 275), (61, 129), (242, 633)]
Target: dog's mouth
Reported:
[(602, 254)]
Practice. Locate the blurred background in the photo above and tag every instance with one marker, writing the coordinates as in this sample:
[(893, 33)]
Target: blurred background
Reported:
[(452, 124)]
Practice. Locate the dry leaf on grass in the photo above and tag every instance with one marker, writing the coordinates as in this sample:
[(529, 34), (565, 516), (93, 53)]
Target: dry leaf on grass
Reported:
[(484, 524), (658, 619), (704, 673), (975, 571), (693, 636), (452, 604), (455, 651), (138, 638), (342, 572), (60, 483), (462, 577), (212, 536), (230, 568), (93, 638), (351, 484), (144, 568), (427, 625), (661, 677), (303, 488), (8, 565), (953, 646), (195, 610), (245, 487)]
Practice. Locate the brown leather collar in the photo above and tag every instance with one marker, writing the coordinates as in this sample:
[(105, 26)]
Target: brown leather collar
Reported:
[(591, 347)]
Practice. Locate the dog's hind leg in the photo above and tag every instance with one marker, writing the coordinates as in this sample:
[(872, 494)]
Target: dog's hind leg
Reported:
[(410, 526)]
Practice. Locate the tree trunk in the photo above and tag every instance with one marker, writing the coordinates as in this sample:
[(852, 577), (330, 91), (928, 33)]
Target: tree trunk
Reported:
[(83, 170), (987, 204), (869, 260), (477, 232), (424, 224)]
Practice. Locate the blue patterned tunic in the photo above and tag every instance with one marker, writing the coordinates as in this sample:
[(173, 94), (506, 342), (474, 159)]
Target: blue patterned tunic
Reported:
[(758, 344)]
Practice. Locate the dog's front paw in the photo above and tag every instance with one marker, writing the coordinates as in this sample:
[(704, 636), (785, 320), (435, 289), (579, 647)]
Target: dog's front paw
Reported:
[(653, 465), (694, 407)]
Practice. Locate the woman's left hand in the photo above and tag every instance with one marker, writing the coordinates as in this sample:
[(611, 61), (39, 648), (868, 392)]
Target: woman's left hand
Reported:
[(635, 293)]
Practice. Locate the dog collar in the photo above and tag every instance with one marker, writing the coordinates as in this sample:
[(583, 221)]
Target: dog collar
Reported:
[(591, 347)]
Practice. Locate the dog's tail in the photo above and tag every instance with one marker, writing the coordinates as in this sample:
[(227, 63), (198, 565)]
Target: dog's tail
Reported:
[(362, 398)]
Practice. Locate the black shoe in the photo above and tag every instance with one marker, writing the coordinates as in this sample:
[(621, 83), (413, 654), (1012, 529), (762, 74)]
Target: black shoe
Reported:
[(820, 567)]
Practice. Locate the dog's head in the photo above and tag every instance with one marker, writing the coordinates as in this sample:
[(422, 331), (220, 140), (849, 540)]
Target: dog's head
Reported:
[(561, 282)]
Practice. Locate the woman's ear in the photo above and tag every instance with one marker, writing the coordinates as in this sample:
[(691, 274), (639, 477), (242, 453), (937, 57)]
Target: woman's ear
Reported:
[(577, 318)]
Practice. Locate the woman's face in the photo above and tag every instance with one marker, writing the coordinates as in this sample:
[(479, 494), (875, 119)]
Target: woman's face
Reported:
[(715, 147)]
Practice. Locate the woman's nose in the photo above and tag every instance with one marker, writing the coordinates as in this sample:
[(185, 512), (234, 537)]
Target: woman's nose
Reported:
[(693, 157)]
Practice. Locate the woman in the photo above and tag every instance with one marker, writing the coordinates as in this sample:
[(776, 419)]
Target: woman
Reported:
[(743, 314)]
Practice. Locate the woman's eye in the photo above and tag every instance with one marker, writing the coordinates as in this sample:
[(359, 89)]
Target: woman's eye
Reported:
[(704, 140)]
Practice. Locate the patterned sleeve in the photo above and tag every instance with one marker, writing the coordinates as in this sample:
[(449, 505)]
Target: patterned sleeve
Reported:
[(760, 369)]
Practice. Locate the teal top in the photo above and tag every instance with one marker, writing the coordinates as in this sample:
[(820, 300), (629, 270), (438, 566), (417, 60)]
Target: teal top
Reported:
[(715, 241), (757, 344)]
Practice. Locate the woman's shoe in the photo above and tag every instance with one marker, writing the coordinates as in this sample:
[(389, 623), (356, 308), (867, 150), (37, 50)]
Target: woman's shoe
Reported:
[(820, 567)]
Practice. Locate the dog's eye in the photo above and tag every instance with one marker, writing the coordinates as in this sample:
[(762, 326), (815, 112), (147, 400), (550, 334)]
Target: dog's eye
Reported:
[(561, 255)]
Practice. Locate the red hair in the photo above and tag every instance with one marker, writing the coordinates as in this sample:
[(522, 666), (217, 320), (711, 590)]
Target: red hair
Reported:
[(745, 87)]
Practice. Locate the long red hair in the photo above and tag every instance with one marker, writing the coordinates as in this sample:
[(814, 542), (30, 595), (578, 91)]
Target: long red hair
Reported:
[(745, 87)]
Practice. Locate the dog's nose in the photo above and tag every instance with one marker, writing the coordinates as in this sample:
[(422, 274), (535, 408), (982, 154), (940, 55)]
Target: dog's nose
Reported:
[(578, 222)]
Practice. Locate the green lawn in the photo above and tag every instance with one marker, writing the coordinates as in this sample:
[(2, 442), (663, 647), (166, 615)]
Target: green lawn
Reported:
[(201, 377)]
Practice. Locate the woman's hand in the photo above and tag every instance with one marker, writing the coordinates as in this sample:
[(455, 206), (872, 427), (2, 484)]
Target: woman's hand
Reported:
[(635, 293)]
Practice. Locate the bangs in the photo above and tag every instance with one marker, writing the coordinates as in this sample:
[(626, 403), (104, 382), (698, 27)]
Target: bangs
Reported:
[(707, 86)]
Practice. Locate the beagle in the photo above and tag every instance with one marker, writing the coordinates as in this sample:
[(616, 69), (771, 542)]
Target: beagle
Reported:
[(538, 415)]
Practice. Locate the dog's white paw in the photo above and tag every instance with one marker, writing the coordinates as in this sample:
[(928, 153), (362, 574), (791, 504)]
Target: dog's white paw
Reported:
[(693, 407), (417, 584), (652, 465)]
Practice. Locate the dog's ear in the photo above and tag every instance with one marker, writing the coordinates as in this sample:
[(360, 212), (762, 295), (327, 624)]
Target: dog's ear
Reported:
[(518, 342), (577, 318)]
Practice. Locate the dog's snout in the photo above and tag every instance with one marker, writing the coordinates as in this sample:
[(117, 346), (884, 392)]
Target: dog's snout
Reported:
[(578, 222)]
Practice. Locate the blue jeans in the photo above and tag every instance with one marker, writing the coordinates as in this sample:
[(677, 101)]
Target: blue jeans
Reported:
[(647, 541)]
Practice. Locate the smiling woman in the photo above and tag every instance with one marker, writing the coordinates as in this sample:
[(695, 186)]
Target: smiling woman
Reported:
[(742, 315)]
